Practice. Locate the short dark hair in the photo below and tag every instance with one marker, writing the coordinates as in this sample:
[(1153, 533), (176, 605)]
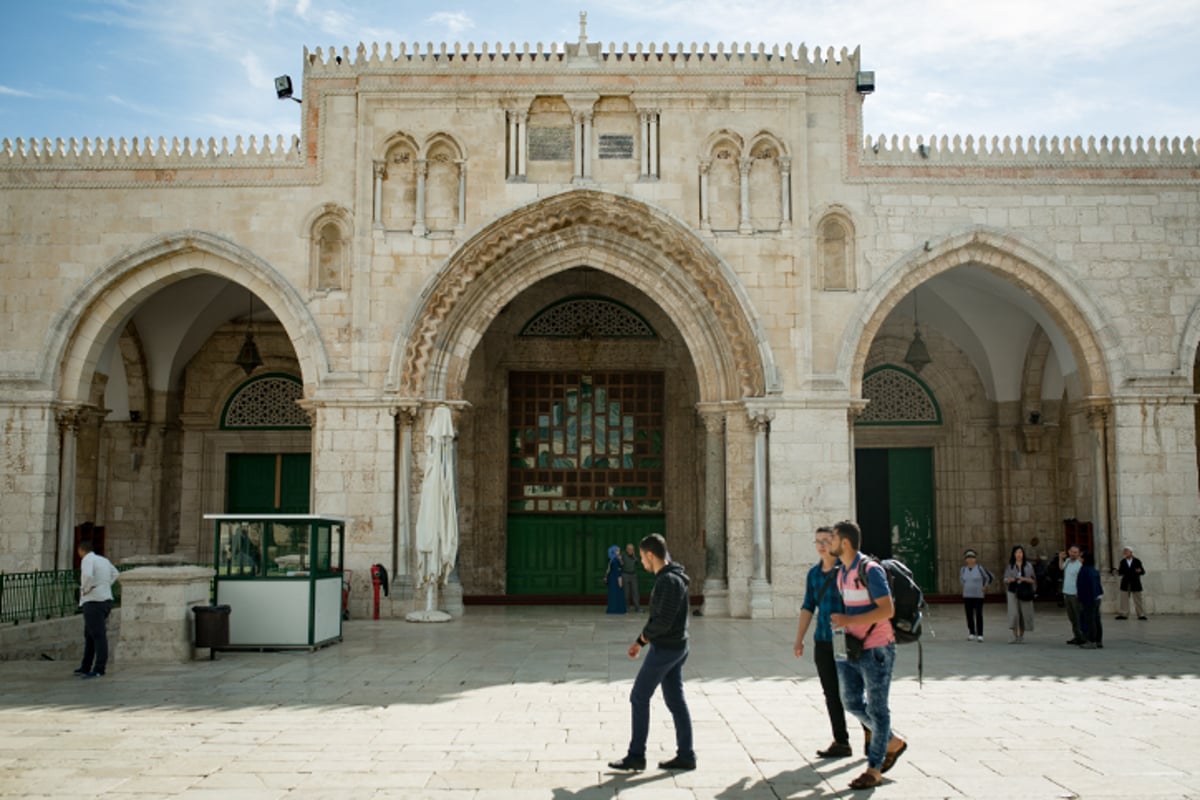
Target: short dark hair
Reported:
[(824, 529), (656, 544), (85, 545), (848, 531)]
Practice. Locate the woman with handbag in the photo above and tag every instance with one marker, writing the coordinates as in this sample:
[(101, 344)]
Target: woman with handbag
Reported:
[(1019, 579)]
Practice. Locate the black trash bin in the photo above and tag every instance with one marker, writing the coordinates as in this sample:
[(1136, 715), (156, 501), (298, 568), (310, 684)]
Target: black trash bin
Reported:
[(212, 628)]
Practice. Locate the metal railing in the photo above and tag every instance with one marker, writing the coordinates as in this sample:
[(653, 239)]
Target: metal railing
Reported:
[(45, 594)]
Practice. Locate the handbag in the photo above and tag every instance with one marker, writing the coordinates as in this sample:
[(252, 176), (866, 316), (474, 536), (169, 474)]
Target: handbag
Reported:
[(1024, 591), (854, 648)]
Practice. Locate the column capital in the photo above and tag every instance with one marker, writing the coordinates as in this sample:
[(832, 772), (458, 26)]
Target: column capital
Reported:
[(760, 418), (379, 166), (744, 165), (70, 418), (785, 163), (705, 165), (713, 419)]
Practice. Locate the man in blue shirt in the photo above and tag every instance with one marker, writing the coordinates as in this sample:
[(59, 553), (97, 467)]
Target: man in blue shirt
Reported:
[(821, 598), (1070, 563)]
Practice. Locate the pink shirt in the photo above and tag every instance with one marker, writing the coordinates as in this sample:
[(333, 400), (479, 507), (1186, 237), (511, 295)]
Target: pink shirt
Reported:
[(860, 599)]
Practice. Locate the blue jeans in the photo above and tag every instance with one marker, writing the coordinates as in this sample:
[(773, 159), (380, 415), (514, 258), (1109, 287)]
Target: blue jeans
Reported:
[(665, 668), (865, 684)]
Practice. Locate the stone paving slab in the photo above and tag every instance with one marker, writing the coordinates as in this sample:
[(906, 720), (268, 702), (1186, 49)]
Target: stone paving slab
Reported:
[(530, 704)]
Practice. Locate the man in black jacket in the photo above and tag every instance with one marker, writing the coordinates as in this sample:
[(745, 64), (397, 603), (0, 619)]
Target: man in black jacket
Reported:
[(666, 633), (1131, 571)]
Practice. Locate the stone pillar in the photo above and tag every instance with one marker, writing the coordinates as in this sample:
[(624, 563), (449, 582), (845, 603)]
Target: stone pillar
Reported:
[(156, 612), (68, 426), (513, 143), (586, 153), (652, 170), (716, 585), (379, 170), (402, 547), (419, 228), (522, 148), (705, 165), (785, 195), (462, 193), (760, 587), (744, 165), (30, 455), (1098, 416), (644, 119)]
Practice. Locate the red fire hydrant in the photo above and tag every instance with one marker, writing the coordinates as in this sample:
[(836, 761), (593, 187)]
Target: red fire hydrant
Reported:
[(379, 579)]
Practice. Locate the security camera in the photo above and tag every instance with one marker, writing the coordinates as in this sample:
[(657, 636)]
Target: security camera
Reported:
[(283, 88)]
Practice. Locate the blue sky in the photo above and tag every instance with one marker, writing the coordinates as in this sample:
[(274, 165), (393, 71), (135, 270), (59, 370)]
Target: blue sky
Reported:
[(205, 67)]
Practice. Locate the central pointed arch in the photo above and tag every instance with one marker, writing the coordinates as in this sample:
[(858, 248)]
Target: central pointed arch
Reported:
[(638, 243)]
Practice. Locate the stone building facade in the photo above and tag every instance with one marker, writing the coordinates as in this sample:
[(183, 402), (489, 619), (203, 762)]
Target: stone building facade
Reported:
[(661, 289)]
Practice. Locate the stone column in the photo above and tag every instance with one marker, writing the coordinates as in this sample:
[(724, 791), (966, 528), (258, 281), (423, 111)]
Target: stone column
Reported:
[(644, 119), (419, 228), (785, 194), (744, 164), (462, 193), (652, 167), (68, 426), (522, 148), (760, 587), (586, 150), (513, 143), (716, 585), (403, 556), (379, 170), (705, 165), (1097, 416)]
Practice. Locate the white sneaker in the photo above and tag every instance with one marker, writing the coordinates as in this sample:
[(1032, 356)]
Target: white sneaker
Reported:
[(1012, 639), (970, 637), (979, 638)]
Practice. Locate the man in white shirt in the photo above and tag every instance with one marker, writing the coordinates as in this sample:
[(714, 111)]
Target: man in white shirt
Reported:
[(1070, 563), (96, 577)]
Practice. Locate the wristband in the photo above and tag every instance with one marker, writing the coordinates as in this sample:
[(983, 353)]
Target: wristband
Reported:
[(639, 642)]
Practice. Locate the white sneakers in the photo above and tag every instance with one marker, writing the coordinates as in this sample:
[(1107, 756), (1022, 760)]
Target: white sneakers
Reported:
[(973, 638)]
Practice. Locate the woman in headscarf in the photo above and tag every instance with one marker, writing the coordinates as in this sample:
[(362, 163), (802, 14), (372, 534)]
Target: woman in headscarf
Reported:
[(612, 578)]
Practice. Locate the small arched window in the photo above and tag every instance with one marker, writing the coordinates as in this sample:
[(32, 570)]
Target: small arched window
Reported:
[(835, 253)]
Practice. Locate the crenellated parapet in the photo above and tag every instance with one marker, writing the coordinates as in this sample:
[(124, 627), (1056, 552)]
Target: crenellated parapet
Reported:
[(1109, 152), (158, 153), (645, 58)]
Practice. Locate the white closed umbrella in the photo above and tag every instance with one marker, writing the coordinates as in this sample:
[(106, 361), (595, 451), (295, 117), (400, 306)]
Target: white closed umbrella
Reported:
[(437, 517)]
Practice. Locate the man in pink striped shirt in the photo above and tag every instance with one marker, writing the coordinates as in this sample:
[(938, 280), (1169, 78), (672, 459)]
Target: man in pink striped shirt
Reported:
[(866, 680)]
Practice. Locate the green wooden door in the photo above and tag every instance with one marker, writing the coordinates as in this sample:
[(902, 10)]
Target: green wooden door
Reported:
[(894, 490), (585, 471), (267, 483)]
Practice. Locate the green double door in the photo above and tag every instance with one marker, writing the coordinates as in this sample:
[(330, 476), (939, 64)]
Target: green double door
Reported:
[(894, 490), (267, 483), (567, 555)]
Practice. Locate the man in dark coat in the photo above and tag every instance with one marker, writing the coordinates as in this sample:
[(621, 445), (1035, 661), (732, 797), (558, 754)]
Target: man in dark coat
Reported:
[(1131, 572)]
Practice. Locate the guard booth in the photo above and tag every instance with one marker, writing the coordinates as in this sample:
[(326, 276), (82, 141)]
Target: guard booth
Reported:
[(281, 576)]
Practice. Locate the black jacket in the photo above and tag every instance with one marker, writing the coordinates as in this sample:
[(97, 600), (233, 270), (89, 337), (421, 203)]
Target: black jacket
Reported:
[(667, 626), (1131, 575)]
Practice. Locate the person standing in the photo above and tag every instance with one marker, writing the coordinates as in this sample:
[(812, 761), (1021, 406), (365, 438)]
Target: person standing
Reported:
[(613, 580), (821, 599), (96, 577), (1020, 581), (1089, 591), (1070, 564), (975, 579), (1131, 571), (666, 634), (867, 679), (629, 578)]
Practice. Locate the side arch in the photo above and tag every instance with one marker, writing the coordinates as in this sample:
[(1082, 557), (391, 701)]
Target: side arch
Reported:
[(642, 245), (79, 332), (1092, 339)]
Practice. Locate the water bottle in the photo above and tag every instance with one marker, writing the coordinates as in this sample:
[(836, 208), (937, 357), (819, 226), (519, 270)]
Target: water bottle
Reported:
[(839, 644)]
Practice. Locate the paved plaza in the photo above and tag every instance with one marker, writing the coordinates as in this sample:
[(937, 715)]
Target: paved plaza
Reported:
[(527, 703)]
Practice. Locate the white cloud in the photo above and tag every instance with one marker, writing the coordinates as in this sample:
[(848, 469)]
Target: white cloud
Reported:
[(11, 92), (455, 21)]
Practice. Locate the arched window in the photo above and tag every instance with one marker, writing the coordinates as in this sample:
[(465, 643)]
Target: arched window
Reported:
[(835, 253), (766, 208), (897, 397), (266, 402), (399, 190), (329, 247)]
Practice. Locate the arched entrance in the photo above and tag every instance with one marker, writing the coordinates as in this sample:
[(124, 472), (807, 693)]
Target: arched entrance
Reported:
[(158, 407), (465, 343), (1016, 367)]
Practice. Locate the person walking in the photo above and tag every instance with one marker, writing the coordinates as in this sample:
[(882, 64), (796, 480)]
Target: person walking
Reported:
[(613, 580), (821, 599), (866, 679), (975, 579), (629, 578), (96, 577), (1070, 564), (666, 634), (1089, 591), (1131, 571), (1020, 581)]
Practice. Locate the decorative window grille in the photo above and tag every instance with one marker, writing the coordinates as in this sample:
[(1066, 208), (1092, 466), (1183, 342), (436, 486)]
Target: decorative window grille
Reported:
[(588, 317), (268, 401), (898, 397)]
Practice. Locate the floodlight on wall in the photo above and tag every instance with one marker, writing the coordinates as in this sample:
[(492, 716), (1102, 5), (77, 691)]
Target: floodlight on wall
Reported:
[(864, 82), (917, 356), (248, 357), (283, 88)]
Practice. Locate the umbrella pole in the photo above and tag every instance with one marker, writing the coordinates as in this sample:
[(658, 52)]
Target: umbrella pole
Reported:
[(429, 596)]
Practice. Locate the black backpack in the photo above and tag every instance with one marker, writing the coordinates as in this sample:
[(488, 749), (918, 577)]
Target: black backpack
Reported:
[(907, 597)]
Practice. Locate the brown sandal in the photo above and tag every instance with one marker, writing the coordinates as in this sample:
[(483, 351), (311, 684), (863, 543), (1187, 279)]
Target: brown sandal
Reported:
[(866, 781)]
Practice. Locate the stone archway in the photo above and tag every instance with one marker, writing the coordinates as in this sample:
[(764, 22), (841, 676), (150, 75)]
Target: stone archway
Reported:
[(643, 246)]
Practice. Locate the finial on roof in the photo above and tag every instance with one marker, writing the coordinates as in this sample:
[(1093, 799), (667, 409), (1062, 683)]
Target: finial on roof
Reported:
[(582, 30)]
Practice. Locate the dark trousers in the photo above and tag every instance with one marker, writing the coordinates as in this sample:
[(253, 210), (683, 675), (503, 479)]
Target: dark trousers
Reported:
[(827, 672), (661, 668), (95, 636), (1089, 621), (1073, 612), (630, 582), (974, 608)]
